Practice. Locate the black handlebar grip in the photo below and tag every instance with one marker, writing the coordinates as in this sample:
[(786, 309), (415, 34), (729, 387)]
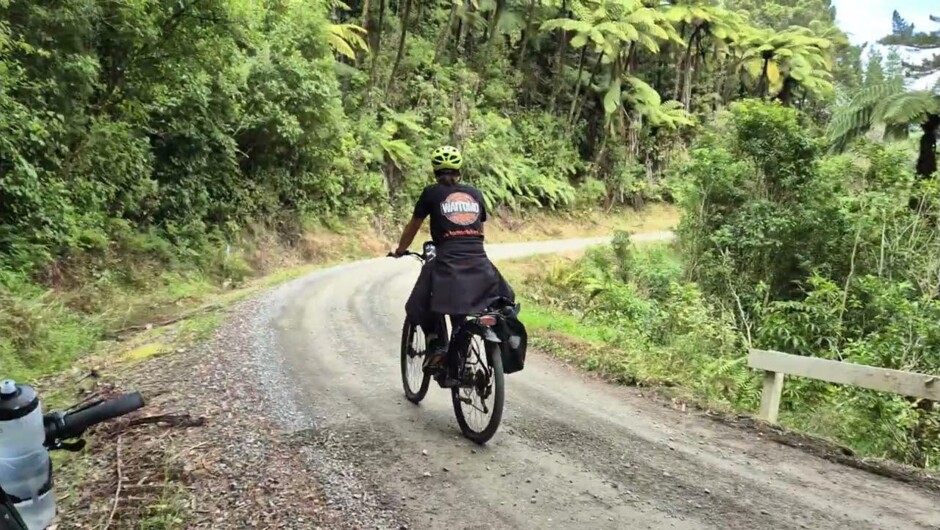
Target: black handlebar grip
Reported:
[(75, 423)]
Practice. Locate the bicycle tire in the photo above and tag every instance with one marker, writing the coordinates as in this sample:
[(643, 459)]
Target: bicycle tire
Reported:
[(407, 337), (495, 360)]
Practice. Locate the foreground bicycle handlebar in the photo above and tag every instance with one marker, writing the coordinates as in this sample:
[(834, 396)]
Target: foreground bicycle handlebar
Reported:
[(61, 426), (27, 435)]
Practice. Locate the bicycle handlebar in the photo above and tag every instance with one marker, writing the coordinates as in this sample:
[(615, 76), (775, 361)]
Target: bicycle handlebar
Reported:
[(407, 253), (72, 424)]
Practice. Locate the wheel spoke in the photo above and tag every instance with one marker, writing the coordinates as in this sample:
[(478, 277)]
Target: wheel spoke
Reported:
[(473, 404), (414, 380), (416, 359)]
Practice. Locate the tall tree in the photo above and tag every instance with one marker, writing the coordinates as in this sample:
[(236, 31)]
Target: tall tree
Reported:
[(922, 41), (900, 27), (700, 23), (405, 11), (875, 68)]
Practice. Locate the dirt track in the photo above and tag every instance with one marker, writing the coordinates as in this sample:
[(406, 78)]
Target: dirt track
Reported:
[(571, 453)]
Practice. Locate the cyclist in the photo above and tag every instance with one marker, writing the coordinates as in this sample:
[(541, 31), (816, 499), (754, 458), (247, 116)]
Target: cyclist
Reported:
[(461, 280)]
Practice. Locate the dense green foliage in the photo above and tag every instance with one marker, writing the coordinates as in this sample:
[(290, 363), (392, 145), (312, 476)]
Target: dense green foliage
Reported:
[(186, 118), (783, 248), (193, 120)]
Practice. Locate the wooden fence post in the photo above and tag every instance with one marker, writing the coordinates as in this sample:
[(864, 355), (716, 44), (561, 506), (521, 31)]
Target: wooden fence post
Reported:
[(770, 397), (775, 365)]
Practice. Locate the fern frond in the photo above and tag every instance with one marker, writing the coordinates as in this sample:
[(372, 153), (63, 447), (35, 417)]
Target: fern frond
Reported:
[(909, 107), (866, 108), (345, 39)]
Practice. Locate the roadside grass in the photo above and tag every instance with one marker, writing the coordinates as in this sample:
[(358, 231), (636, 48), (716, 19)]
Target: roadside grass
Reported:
[(654, 217), (45, 330)]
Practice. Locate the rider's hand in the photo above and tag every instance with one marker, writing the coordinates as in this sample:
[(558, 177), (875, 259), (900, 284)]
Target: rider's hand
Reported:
[(397, 253)]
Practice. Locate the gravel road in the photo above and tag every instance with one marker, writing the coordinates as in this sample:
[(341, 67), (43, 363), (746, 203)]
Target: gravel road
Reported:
[(572, 452)]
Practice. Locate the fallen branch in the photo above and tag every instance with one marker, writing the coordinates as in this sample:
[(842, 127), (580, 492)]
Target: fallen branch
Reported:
[(176, 420), (120, 483), (93, 374), (174, 320)]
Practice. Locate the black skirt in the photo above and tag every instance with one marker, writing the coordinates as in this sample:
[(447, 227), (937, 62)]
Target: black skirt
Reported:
[(461, 280)]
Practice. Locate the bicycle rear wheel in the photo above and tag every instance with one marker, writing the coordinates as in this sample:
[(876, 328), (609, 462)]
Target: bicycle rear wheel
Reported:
[(413, 378), (478, 401)]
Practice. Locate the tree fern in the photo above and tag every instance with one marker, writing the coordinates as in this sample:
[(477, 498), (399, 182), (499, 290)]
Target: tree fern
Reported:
[(345, 39), (885, 104)]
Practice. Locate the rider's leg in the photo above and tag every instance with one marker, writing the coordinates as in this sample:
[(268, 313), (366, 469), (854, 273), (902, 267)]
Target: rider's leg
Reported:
[(436, 335), (455, 322), (418, 306)]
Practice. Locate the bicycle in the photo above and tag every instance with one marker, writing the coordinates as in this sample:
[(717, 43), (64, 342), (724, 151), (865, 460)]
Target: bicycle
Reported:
[(27, 501), (481, 350)]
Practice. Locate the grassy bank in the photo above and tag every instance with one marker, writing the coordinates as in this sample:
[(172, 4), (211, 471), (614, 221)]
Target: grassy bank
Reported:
[(101, 306), (654, 217)]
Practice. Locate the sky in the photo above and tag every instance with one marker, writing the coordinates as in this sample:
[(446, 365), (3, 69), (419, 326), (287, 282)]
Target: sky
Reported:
[(870, 20)]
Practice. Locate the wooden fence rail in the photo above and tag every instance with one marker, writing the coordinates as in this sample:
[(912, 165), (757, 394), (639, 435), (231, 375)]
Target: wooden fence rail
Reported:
[(775, 365)]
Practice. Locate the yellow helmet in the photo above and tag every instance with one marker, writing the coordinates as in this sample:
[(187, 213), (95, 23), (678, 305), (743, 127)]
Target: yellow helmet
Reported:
[(446, 157)]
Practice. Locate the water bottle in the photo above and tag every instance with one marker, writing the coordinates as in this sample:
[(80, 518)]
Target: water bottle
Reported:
[(25, 468)]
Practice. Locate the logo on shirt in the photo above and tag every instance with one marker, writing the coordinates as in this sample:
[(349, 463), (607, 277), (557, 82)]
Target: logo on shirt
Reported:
[(461, 208)]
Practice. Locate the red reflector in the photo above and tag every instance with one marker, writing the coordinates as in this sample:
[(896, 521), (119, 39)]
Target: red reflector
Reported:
[(488, 320)]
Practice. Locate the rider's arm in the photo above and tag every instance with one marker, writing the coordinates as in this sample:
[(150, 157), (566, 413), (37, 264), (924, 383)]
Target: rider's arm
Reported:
[(408, 234), (422, 210)]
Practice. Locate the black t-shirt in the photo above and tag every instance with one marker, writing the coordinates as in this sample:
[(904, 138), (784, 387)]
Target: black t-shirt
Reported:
[(456, 212)]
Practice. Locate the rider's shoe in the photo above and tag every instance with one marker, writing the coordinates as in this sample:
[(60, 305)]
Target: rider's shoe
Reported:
[(434, 359)]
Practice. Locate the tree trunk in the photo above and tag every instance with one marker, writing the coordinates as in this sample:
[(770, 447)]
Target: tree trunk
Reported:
[(444, 36), (527, 33), (719, 81), (580, 103), (927, 159), (377, 46), (577, 87), (764, 84), (560, 57), (679, 68), (492, 30), (786, 93), (467, 36), (367, 23), (405, 11), (686, 89)]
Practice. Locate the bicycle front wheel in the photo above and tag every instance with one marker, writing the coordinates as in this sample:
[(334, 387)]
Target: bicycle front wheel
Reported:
[(478, 401), (414, 380)]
